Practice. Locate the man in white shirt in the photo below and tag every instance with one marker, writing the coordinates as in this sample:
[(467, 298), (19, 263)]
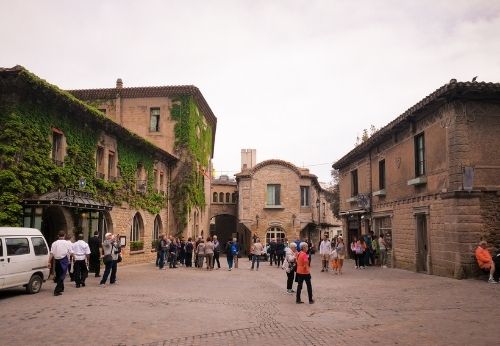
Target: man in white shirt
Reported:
[(325, 248), (81, 254), (60, 251)]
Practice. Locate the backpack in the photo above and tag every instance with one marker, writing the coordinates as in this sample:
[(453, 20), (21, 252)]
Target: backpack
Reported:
[(234, 249)]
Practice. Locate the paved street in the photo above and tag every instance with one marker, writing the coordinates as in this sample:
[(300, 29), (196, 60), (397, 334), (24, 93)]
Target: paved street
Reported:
[(192, 307)]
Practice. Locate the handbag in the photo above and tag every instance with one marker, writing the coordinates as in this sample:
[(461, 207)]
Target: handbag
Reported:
[(119, 258), (107, 259)]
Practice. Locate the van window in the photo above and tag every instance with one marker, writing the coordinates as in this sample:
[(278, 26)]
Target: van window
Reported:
[(1, 248), (17, 246), (39, 246)]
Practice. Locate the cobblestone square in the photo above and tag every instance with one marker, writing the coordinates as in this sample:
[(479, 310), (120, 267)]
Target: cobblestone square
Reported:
[(187, 306)]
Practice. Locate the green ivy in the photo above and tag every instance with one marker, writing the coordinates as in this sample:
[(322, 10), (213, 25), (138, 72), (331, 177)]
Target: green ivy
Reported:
[(26, 167), (193, 139)]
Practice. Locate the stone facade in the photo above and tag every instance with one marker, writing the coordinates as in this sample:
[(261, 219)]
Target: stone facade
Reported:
[(146, 112), (284, 214), (81, 211), (434, 217)]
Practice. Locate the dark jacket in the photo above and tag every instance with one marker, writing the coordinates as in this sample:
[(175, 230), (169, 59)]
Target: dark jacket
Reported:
[(95, 246)]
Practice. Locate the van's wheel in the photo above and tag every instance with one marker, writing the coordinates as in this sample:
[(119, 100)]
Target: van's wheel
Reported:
[(34, 285)]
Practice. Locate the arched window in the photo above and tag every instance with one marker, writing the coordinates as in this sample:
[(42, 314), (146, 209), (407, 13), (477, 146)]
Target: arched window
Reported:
[(157, 228), (136, 228), (215, 197), (221, 197), (228, 197), (234, 197), (274, 233)]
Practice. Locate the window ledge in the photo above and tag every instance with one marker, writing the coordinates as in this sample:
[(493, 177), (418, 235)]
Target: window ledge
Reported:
[(380, 193), (352, 199), (274, 207), (135, 252), (417, 181)]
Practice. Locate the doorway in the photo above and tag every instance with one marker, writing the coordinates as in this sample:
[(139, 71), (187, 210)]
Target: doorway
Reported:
[(422, 243)]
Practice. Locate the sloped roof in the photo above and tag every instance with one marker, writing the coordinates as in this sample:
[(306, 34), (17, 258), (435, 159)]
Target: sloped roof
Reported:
[(18, 79), (448, 92), (300, 172), (152, 91)]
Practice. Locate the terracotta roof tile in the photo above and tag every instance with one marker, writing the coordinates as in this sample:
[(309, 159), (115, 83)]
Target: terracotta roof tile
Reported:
[(445, 93)]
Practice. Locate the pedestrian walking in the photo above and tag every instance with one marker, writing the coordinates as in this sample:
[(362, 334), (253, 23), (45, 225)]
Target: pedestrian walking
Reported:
[(198, 241), (209, 253), (235, 250), (325, 249), (256, 250), (272, 251), (200, 253), (280, 252), (163, 251), (60, 252), (81, 254), (158, 250), (290, 266), (229, 254), (303, 273), (341, 253), (217, 247), (95, 255), (172, 251)]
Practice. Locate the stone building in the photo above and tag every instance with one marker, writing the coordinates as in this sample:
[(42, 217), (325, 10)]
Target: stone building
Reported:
[(154, 113), (278, 200), (77, 170), (430, 180), (224, 208)]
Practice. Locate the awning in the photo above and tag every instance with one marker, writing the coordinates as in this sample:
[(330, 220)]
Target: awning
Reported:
[(70, 199)]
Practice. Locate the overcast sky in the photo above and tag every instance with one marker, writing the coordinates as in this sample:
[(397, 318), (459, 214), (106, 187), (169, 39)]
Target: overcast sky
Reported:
[(295, 80)]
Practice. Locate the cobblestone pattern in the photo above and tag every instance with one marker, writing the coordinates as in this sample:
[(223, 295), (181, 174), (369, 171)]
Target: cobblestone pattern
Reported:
[(242, 307)]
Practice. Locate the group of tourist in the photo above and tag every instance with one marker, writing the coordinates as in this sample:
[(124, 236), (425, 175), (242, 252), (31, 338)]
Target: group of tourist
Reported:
[(80, 258), (202, 252), (369, 250)]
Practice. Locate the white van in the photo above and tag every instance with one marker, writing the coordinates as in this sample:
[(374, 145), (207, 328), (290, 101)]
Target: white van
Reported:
[(24, 255)]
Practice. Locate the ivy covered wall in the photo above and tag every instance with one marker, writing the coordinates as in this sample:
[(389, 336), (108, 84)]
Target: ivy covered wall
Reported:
[(194, 142), (29, 109)]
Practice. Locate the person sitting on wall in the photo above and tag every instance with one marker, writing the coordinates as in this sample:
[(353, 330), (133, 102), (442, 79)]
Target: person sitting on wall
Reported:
[(485, 261)]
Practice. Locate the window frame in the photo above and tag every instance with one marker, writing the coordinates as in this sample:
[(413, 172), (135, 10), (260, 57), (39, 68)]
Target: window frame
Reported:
[(14, 254), (156, 116), (419, 151), (43, 253), (381, 174), (215, 197), (305, 196), (273, 198), (354, 183)]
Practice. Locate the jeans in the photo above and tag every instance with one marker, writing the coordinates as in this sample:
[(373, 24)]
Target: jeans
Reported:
[(280, 258), (307, 279), (161, 260), (110, 267), (230, 262), (173, 260), (255, 258)]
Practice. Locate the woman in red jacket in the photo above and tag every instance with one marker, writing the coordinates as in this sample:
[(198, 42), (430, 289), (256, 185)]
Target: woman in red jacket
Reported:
[(485, 261), (303, 273)]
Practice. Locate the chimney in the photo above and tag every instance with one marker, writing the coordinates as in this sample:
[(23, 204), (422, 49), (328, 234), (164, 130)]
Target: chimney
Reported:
[(119, 83), (248, 157)]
